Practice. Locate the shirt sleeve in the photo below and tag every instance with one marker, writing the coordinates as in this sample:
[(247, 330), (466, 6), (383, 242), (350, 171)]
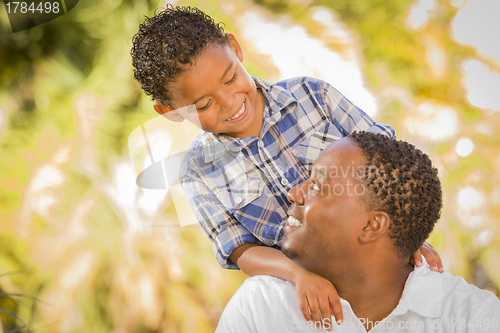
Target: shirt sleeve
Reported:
[(347, 117), (224, 230)]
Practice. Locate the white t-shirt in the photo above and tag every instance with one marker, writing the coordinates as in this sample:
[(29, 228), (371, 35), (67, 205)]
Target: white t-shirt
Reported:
[(431, 302)]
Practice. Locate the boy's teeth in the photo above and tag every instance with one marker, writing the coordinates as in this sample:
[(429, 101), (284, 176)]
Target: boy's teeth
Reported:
[(293, 221), (239, 113)]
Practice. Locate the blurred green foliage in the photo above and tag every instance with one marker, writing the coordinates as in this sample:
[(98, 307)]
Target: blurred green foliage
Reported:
[(70, 102)]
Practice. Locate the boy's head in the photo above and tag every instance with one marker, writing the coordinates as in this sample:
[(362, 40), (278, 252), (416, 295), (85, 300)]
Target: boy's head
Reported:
[(193, 71), (167, 44)]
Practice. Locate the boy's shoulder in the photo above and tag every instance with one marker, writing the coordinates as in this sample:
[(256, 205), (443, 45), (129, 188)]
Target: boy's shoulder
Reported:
[(292, 83)]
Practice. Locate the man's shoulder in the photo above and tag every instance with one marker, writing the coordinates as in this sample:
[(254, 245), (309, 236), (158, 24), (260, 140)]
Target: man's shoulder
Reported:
[(265, 283), (268, 290), (458, 291), (441, 295)]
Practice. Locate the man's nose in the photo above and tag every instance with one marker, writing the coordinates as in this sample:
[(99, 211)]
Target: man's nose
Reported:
[(296, 194)]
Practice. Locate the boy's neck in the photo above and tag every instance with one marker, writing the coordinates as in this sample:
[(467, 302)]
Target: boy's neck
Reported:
[(260, 102)]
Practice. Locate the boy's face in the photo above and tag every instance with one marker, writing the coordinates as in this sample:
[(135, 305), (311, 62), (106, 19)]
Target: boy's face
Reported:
[(225, 96)]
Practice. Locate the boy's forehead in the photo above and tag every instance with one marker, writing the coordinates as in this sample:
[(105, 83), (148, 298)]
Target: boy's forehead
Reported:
[(199, 77)]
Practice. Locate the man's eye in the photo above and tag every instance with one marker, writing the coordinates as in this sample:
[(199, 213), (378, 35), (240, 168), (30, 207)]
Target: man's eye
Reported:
[(315, 187)]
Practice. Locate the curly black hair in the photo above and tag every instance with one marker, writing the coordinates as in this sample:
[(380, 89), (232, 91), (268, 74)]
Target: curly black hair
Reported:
[(167, 43), (401, 181)]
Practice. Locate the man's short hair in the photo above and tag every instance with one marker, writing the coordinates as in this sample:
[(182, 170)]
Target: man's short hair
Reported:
[(167, 43), (401, 181)]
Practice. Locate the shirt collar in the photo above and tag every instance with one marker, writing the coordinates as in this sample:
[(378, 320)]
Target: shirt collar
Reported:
[(422, 293), (216, 146), (277, 99)]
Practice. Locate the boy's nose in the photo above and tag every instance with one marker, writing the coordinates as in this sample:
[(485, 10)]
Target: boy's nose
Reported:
[(227, 101), (296, 194)]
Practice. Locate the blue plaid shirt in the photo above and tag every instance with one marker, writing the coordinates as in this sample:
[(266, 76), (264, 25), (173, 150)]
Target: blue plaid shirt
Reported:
[(237, 187)]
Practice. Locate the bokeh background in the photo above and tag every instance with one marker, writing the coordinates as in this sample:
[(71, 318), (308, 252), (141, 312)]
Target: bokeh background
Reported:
[(83, 249)]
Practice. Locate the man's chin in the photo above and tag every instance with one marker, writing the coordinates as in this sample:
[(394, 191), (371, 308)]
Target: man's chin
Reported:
[(290, 253)]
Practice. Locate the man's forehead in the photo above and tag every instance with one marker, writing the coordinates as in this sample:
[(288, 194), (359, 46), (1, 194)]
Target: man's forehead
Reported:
[(341, 152)]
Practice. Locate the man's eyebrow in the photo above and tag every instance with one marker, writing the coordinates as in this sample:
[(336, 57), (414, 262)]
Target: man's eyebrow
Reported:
[(321, 172), (223, 75)]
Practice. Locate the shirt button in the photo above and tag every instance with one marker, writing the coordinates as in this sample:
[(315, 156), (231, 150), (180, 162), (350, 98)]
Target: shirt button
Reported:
[(284, 181), (261, 144), (322, 145), (238, 200)]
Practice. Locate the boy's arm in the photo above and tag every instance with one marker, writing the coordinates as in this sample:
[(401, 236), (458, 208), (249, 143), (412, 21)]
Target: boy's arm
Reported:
[(316, 295), (225, 232)]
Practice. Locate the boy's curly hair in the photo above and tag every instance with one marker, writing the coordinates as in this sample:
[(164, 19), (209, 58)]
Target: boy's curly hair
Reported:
[(401, 181), (167, 43)]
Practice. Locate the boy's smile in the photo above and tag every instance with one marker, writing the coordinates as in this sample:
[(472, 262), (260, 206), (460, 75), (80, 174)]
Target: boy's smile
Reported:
[(225, 96)]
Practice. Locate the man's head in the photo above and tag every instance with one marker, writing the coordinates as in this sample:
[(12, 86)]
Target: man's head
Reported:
[(183, 58), (367, 192)]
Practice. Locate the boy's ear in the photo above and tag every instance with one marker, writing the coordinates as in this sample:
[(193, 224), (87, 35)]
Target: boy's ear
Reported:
[(377, 225), (167, 112), (235, 46)]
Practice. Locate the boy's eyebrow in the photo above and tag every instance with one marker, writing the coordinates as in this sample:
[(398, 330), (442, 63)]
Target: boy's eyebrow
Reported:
[(223, 75)]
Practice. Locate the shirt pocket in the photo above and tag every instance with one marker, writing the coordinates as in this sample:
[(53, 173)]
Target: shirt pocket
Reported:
[(311, 147), (239, 186)]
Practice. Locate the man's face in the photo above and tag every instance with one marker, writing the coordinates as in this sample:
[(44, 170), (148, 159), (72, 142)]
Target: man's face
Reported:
[(330, 209), (222, 91)]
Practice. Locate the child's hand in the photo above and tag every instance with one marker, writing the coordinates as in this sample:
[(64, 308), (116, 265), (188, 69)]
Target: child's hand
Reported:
[(317, 295), (431, 256)]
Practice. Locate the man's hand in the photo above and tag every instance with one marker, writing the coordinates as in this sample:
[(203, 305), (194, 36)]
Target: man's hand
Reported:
[(317, 298), (431, 256)]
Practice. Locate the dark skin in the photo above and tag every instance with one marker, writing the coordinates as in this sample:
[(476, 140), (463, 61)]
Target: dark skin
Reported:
[(341, 239), (218, 85)]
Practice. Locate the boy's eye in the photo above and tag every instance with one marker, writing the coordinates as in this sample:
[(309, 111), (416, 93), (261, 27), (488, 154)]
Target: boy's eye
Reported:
[(232, 79), (204, 107)]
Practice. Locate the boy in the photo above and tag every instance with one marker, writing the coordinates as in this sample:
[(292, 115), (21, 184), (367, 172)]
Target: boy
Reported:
[(258, 141)]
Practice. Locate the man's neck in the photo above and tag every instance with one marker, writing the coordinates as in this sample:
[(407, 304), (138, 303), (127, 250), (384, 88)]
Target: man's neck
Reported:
[(374, 294)]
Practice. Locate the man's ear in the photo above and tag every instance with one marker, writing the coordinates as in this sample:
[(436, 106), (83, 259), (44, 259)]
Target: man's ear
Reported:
[(235, 46), (377, 225), (167, 112)]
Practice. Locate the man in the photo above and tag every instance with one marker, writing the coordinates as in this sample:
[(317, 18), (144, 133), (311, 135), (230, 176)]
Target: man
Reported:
[(370, 202)]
